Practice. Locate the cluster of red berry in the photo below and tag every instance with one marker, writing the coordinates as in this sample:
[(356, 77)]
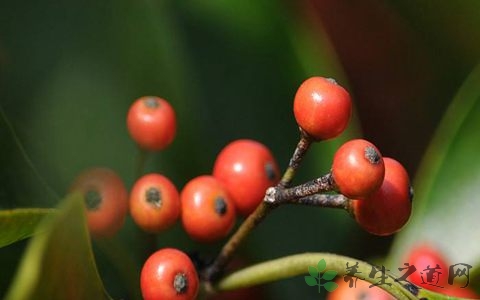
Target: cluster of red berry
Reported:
[(378, 186), (377, 189), (207, 205)]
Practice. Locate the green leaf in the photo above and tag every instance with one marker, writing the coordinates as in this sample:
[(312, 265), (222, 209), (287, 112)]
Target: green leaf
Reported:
[(313, 272), (311, 281), (322, 264), (329, 275), (447, 202), (59, 263), (330, 286), (18, 224)]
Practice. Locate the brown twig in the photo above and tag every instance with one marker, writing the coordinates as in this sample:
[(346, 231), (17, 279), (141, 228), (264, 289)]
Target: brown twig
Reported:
[(211, 273), (278, 195), (302, 148), (324, 200)]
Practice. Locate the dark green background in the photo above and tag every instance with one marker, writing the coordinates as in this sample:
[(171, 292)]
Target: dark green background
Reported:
[(69, 71)]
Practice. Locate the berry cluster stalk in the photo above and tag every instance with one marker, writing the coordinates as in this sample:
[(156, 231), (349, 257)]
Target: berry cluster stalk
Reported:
[(302, 148), (302, 194)]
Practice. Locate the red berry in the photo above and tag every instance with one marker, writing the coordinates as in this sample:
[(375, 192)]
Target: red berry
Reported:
[(360, 291), (106, 200), (208, 214), (358, 169), (169, 274), (154, 203), (322, 108), (246, 168), (425, 257), (388, 209), (151, 122)]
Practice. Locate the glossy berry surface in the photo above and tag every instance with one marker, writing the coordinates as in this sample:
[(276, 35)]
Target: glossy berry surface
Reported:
[(322, 108), (106, 200), (388, 209), (358, 169), (207, 212), (154, 203), (169, 274), (151, 122), (360, 290), (246, 168)]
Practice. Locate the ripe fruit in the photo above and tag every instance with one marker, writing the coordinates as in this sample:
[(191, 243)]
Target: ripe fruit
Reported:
[(361, 291), (208, 214), (388, 209), (169, 274), (154, 203), (322, 108), (106, 200), (246, 168), (151, 122), (358, 169), (425, 256)]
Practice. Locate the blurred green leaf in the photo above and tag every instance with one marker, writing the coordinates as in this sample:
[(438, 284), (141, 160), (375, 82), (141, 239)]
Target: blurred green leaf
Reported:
[(59, 263), (311, 281), (447, 186), (329, 275), (19, 224)]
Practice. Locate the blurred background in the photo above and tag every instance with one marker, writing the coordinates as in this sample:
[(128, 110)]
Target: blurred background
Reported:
[(70, 70)]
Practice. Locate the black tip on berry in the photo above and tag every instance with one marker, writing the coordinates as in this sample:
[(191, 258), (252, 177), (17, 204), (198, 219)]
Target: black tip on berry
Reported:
[(153, 197), (372, 155), (220, 206), (180, 283), (151, 102), (411, 193), (270, 171), (93, 199)]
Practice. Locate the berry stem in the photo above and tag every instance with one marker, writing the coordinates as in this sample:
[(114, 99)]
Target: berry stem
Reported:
[(280, 195), (294, 265), (324, 200), (302, 148)]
